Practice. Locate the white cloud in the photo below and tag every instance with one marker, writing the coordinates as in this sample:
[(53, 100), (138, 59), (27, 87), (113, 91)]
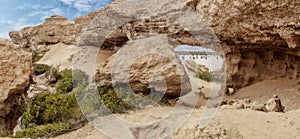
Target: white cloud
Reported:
[(67, 2), (83, 5), (35, 13), (54, 11), (12, 25), (29, 6), (21, 23), (6, 22), (4, 35)]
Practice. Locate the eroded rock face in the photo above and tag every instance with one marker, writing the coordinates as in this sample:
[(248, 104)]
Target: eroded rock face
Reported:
[(55, 29), (150, 66), (261, 39), (15, 73)]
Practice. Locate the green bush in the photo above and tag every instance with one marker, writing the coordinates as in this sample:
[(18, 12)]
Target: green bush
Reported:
[(67, 73), (40, 69), (70, 79), (117, 100), (36, 57), (48, 130), (6, 133), (112, 101), (205, 75), (79, 78), (64, 86), (54, 73), (50, 108)]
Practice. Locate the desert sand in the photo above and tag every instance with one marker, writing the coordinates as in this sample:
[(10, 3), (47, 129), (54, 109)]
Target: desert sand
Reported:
[(229, 122)]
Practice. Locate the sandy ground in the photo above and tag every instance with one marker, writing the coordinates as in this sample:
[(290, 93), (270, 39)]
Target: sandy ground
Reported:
[(228, 123), (287, 90)]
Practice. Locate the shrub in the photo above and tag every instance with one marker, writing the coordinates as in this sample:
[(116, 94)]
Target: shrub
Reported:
[(112, 101), (67, 73), (50, 108), (5, 133), (70, 79), (205, 75), (54, 72), (64, 86), (40, 69), (48, 130), (109, 100), (36, 57), (79, 78)]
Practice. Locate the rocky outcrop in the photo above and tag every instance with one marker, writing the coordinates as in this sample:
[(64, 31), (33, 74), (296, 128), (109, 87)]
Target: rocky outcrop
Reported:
[(271, 105), (152, 66), (261, 39), (15, 73), (55, 29)]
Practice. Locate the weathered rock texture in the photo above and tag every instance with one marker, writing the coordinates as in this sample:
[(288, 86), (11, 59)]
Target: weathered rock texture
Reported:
[(261, 39), (55, 29), (15, 73), (152, 66), (126, 21)]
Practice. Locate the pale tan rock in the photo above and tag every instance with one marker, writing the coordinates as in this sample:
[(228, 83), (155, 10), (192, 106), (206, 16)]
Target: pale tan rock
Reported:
[(149, 66), (274, 105), (261, 37), (55, 29), (257, 36), (15, 73)]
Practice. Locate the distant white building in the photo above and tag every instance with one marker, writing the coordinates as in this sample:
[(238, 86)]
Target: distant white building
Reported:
[(201, 56)]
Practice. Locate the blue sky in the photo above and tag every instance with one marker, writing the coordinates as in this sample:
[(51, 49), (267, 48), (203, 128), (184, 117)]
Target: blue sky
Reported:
[(16, 14)]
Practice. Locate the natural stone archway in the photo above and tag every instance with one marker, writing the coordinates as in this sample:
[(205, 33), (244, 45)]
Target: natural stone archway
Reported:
[(260, 40), (127, 23), (120, 24), (154, 65), (108, 27)]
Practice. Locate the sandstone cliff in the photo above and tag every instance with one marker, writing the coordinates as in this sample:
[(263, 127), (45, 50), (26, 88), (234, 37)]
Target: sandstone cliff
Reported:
[(260, 39), (15, 73), (55, 29)]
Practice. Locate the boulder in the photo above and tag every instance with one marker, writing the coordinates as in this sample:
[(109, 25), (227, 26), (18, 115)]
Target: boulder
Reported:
[(16, 74), (145, 64), (274, 105)]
